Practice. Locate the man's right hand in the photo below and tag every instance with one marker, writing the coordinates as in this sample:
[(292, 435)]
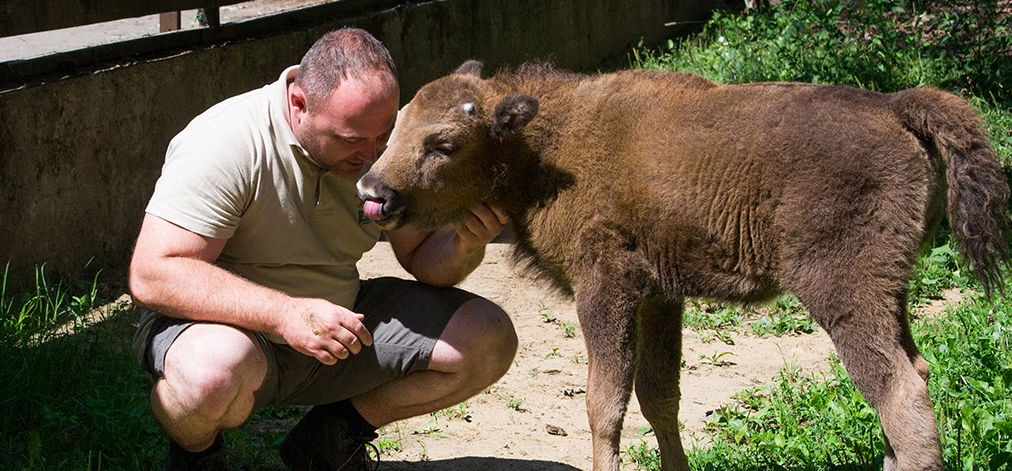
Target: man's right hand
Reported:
[(324, 330)]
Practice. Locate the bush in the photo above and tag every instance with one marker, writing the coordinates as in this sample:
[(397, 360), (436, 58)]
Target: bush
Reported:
[(883, 45)]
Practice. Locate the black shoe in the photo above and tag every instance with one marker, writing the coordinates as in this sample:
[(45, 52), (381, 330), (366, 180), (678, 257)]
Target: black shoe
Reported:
[(325, 441), (211, 459)]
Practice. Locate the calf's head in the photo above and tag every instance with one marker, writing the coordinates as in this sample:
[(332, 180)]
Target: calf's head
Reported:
[(446, 152)]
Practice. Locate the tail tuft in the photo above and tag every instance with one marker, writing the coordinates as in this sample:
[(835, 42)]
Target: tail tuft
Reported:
[(978, 192)]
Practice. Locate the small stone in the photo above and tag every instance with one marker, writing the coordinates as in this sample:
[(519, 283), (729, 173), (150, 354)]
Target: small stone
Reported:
[(570, 392), (555, 430)]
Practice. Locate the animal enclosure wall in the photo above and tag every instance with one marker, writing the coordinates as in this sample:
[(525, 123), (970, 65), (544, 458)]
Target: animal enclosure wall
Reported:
[(79, 154)]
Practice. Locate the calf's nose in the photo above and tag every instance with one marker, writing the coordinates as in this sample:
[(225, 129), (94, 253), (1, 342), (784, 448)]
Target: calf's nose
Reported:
[(379, 200)]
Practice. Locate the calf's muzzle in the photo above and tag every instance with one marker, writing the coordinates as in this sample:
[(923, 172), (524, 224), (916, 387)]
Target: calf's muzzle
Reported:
[(380, 202)]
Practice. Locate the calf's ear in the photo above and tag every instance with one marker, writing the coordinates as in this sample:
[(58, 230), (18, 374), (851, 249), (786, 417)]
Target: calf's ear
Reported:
[(512, 114), (471, 67)]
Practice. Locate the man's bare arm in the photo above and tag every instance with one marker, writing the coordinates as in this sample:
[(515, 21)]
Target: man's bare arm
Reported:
[(172, 272), (445, 258)]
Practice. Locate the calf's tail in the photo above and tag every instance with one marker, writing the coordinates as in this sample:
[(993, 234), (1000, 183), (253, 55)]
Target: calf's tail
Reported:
[(977, 189)]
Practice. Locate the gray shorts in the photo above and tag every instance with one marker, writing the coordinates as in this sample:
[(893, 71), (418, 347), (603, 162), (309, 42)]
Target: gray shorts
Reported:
[(405, 319)]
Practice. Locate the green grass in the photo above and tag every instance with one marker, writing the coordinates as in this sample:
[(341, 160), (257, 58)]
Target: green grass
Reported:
[(72, 396), (783, 315), (884, 45)]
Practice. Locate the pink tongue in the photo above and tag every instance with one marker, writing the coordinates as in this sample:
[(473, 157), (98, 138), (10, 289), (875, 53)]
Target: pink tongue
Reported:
[(373, 209)]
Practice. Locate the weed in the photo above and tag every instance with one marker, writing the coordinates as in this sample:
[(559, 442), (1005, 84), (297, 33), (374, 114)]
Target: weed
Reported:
[(430, 429), (460, 411), (515, 403), (715, 359), (934, 273), (699, 317), (546, 314), (385, 446), (569, 330), (554, 353), (785, 315), (643, 456)]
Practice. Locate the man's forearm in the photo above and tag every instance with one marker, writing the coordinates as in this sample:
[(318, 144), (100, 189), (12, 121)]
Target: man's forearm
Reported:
[(194, 289)]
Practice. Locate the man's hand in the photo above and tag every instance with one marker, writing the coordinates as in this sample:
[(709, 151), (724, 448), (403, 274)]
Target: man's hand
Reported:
[(485, 224), (324, 330)]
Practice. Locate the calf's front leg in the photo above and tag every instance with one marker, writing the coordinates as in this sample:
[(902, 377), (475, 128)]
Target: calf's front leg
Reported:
[(606, 305)]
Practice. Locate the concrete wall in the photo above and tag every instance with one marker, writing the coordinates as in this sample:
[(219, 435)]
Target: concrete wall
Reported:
[(79, 156)]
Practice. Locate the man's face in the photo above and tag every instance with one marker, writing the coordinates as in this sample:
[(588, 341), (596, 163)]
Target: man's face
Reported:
[(349, 128)]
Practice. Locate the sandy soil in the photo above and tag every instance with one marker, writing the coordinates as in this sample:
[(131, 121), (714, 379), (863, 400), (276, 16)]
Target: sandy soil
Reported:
[(514, 425)]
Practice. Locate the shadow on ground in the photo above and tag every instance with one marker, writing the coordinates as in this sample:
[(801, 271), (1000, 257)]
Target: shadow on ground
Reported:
[(476, 463)]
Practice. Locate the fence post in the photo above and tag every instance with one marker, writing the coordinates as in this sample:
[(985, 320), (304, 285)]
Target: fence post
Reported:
[(168, 21)]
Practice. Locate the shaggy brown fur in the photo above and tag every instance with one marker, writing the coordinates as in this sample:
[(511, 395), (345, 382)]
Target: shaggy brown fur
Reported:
[(634, 190)]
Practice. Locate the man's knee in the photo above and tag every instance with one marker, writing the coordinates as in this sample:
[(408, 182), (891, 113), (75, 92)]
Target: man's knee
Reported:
[(209, 367), (482, 340)]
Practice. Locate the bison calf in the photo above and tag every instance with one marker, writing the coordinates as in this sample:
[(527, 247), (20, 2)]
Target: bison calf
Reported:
[(634, 190)]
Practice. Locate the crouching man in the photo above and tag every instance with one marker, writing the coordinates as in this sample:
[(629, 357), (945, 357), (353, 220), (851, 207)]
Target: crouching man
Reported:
[(245, 272)]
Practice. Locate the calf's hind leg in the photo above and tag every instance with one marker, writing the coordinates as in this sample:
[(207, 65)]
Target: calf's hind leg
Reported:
[(658, 365), (871, 334)]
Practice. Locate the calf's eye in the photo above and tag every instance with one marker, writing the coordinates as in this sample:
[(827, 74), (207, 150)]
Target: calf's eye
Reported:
[(445, 148)]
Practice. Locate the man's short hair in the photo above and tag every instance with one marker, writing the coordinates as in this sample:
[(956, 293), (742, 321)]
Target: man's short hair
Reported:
[(346, 53)]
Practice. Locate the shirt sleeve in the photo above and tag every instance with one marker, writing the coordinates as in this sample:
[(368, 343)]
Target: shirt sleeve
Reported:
[(204, 186)]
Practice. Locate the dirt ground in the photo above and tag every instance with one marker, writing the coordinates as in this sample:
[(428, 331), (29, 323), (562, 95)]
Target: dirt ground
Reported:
[(514, 425)]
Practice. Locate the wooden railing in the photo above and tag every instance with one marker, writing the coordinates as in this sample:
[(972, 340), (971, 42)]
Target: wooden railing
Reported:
[(30, 16), (17, 73)]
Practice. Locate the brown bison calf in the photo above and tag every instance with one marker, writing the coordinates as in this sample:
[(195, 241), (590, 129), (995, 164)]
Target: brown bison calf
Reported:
[(634, 190)]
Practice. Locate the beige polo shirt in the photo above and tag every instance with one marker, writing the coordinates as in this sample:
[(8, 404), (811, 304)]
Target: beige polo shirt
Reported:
[(236, 172)]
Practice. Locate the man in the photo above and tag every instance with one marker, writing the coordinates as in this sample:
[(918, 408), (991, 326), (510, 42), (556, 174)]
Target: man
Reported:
[(245, 265)]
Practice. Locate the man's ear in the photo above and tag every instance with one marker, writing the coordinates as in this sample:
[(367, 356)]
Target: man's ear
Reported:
[(297, 99), (471, 67), (512, 114)]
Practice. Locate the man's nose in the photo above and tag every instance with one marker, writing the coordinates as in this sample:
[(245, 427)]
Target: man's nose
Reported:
[(369, 150)]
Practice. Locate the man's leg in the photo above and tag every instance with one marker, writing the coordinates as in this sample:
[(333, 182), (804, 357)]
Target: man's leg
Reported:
[(471, 343), (474, 351), (211, 373)]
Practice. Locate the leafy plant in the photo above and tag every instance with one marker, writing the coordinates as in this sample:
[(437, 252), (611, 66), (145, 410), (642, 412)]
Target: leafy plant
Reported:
[(934, 273), (515, 403), (880, 45), (460, 411), (785, 315), (386, 446), (716, 359), (547, 317)]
